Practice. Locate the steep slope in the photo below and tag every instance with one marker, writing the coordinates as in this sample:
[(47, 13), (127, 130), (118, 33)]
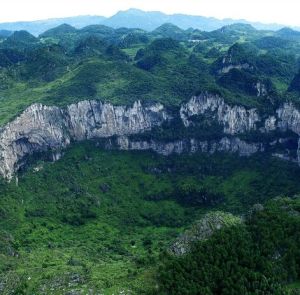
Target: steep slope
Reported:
[(20, 40), (50, 128), (42, 128), (295, 84), (62, 29)]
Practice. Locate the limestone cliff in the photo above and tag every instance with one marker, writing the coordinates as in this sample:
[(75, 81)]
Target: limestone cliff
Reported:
[(235, 119), (42, 128), (226, 144)]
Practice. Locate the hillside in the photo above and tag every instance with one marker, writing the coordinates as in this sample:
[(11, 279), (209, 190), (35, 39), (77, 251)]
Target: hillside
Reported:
[(158, 160), (163, 65)]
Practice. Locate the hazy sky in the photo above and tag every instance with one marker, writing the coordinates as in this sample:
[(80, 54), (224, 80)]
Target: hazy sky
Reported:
[(279, 11)]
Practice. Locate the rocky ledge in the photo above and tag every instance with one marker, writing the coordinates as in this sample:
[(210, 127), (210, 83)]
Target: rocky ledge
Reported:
[(226, 144)]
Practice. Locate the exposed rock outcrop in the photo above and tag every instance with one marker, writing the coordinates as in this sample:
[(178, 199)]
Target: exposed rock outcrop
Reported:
[(202, 230), (226, 144), (261, 89), (289, 118), (227, 68), (42, 128), (235, 119)]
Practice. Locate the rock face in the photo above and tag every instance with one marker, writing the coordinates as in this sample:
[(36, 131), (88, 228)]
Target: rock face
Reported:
[(235, 119), (48, 128), (202, 230), (289, 118), (261, 89), (227, 68), (41, 128), (226, 144)]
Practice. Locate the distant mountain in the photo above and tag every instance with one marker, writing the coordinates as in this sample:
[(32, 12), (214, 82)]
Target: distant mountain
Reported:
[(135, 18), (40, 26), (288, 34), (22, 36), (238, 27)]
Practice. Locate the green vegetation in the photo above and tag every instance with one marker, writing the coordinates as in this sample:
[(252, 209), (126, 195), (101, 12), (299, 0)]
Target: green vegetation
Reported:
[(295, 85), (253, 258), (169, 65), (99, 220)]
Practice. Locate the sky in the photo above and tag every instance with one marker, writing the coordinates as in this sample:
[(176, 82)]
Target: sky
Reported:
[(267, 11)]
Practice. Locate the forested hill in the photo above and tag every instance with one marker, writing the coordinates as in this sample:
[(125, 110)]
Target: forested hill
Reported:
[(65, 65), (245, 258), (149, 162), (245, 81)]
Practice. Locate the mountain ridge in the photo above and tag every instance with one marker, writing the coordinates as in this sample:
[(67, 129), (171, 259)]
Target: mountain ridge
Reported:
[(135, 18)]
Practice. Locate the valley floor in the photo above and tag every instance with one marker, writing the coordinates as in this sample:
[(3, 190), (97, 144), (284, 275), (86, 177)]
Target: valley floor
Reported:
[(97, 222)]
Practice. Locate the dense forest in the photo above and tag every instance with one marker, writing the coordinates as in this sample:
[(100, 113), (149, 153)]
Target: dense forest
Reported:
[(251, 258)]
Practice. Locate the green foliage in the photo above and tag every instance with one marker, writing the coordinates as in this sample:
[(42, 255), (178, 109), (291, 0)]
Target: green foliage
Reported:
[(65, 65), (295, 84), (99, 220), (45, 64), (134, 38), (278, 64), (245, 259), (203, 128), (59, 31), (271, 42), (90, 46), (238, 54), (105, 216), (170, 31), (243, 81), (20, 40), (11, 56), (288, 34), (158, 53)]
